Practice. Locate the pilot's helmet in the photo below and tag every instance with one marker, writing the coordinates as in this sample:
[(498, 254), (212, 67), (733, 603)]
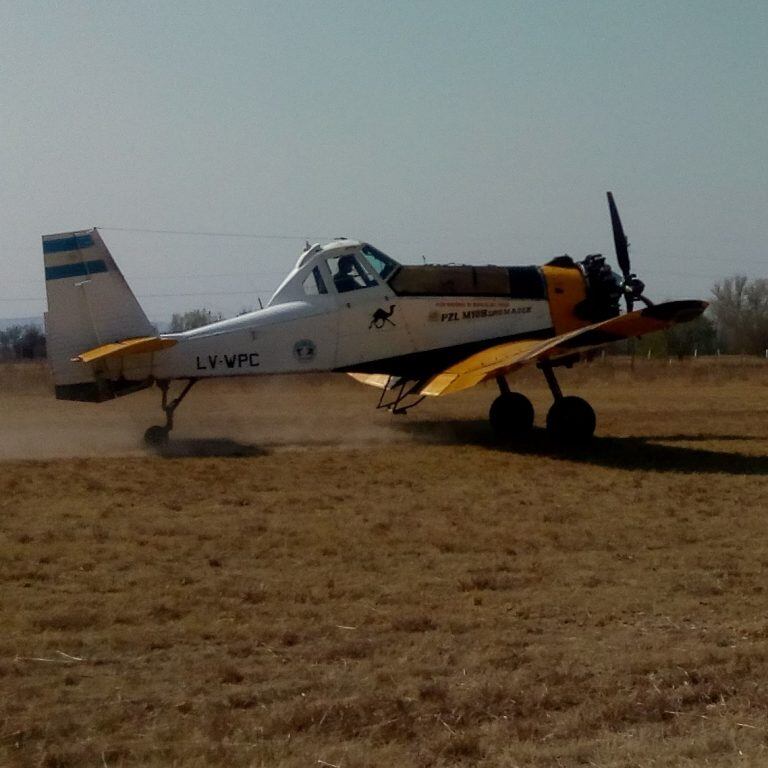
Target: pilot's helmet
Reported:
[(346, 264)]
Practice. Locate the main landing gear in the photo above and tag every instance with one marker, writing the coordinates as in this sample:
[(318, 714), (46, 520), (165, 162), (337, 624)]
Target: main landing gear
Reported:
[(511, 413), (570, 419), (158, 435)]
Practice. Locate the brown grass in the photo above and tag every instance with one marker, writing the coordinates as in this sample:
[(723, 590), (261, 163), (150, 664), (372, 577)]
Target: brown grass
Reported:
[(300, 580)]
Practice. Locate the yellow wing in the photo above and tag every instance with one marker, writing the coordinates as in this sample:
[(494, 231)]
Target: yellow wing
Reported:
[(136, 346), (503, 358)]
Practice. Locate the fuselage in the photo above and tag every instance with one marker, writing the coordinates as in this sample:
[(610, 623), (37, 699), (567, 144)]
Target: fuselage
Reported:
[(348, 307)]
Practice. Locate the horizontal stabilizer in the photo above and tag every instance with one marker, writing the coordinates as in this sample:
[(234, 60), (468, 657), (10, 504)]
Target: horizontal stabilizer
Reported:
[(137, 346)]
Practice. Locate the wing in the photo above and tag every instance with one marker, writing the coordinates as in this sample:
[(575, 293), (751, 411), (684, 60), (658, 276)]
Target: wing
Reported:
[(504, 358), (136, 346)]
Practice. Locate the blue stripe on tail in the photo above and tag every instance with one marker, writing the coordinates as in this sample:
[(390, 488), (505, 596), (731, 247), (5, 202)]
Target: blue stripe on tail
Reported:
[(78, 269), (67, 243)]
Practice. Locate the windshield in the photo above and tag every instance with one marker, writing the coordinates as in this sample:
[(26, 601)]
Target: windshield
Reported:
[(347, 274), (383, 265)]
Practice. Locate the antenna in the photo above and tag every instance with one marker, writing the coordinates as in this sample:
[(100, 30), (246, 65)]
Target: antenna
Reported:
[(261, 306)]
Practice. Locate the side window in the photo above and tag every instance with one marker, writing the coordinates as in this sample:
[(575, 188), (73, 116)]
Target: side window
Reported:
[(347, 274), (314, 284)]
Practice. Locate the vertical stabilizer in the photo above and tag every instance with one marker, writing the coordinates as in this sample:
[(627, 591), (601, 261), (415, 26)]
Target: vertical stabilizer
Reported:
[(89, 304)]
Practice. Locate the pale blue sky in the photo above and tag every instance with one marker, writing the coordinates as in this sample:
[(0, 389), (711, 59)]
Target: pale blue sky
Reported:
[(478, 132)]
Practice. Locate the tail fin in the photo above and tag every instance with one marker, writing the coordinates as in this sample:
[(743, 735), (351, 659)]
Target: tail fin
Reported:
[(89, 304)]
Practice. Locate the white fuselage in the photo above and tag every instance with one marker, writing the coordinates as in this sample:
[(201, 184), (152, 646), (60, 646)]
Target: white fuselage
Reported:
[(303, 331)]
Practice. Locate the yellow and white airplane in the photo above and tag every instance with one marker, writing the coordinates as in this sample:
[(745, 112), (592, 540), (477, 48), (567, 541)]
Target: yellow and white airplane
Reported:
[(412, 331)]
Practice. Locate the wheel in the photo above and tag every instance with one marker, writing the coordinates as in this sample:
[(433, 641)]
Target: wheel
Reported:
[(511, 415), (571, 419), (156, 436)]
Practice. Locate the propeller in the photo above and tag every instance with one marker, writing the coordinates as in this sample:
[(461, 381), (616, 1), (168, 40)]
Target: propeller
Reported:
[(632, 287)]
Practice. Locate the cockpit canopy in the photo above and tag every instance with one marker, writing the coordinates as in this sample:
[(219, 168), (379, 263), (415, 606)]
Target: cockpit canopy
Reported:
[(341, 266)]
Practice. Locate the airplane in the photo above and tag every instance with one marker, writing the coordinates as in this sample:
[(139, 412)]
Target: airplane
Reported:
[(413, 331)]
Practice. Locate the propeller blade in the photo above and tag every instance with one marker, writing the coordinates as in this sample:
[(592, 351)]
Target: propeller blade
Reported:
[(619, 239)]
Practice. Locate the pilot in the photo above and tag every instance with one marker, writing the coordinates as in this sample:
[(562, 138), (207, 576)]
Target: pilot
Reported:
[(344, 279)]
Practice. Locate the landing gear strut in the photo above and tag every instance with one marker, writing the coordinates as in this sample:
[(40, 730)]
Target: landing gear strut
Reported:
[(157, 435), (570, 419), (511, 413)]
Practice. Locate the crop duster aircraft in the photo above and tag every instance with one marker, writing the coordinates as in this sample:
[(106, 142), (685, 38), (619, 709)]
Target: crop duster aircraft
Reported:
[(412, 331)]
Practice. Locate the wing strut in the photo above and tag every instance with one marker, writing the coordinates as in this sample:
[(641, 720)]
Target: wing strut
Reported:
[(404, 394)]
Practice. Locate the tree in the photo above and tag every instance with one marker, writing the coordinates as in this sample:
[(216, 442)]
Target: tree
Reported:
[(195, 318), (740, 309), (31, 344), (699, 337), (10, 338), (22, 341)]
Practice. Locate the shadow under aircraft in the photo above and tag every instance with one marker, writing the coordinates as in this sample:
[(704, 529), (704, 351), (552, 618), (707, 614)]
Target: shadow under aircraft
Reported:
[(647, 452)]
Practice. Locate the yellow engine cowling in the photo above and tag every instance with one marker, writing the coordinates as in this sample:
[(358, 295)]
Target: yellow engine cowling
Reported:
[(566, 289)]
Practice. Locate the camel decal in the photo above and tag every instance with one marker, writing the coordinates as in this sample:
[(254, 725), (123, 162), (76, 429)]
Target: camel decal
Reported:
[(380, 317)]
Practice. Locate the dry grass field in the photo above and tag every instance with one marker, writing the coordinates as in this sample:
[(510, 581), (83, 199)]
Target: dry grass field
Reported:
[(299, 580)]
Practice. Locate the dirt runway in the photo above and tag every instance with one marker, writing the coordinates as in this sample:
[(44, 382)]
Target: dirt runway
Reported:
[(301, 580)]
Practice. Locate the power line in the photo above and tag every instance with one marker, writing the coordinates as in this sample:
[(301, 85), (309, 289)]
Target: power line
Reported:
[(173, 276), (23, 298), (201, 293), (646, 273), (249, 235), (652, 271), (190, 275), (254, 292)]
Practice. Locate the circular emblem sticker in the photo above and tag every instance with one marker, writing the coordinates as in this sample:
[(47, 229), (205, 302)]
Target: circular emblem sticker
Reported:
[(304, 350)]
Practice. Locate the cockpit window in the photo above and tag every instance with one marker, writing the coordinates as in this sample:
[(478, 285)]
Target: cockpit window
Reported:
[(314, 284), (383, 265), (347, 274)]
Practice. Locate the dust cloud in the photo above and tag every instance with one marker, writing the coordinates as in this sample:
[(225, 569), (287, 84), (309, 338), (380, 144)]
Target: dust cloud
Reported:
[(250, 416), (233, 417)]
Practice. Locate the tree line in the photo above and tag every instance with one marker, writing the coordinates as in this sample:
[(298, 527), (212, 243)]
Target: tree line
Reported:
[(740, 313), (736, 323)]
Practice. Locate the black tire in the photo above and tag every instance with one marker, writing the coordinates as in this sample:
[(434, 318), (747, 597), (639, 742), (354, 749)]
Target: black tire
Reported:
[(511, 415), (571, 420), (156, 436)]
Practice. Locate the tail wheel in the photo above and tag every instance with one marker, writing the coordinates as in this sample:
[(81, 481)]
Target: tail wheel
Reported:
[(571, 419), (156, 436), (511, 415)]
